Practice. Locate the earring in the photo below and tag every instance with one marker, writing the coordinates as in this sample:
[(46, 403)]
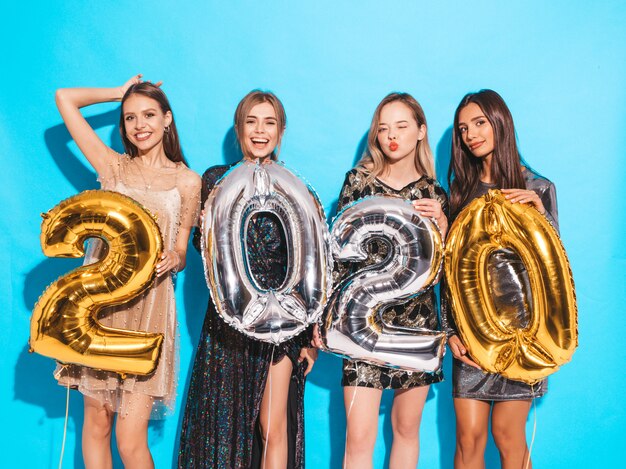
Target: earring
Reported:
[(166, 129)]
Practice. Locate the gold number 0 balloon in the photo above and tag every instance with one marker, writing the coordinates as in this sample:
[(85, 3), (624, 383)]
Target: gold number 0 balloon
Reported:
[(528, 354), (64, 323)]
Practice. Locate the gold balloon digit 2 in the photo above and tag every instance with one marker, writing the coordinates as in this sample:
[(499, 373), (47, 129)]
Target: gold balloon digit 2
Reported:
[(64, 324)]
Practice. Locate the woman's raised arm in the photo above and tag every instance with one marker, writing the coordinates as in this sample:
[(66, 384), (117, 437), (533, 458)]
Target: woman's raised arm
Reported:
[(70, 100)]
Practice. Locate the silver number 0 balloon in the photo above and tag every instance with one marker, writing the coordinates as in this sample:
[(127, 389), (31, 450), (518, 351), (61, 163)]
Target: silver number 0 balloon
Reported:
[(245, 191), (353, 324)]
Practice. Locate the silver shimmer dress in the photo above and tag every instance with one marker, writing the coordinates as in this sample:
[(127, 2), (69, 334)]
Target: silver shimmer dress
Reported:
[(470, 382)]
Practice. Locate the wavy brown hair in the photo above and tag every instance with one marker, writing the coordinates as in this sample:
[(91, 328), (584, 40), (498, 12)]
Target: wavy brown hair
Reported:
[(171, 142), (465, 169), (250, 100), (373, 163)]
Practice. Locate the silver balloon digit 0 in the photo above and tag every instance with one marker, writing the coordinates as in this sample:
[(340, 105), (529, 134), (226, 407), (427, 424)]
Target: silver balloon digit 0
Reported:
[(247, 190), (352, 325)]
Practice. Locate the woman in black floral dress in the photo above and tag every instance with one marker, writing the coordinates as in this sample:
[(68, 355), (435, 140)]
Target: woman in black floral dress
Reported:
[(398, 161), (228, 411)]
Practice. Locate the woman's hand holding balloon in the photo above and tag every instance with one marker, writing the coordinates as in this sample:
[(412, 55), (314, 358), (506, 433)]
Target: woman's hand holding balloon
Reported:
[(460, 352), (431, 208), (310, 355), (170, 262), (525, 197)]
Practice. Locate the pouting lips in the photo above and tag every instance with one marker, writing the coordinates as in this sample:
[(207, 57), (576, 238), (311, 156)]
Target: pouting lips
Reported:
[(393, 146)]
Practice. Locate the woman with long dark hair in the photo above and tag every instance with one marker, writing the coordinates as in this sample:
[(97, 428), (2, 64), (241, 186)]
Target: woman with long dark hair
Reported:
[(153, 171), (245, 407), (485, 156)]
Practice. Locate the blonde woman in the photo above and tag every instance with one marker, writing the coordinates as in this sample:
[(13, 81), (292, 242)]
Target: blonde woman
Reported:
[(236, 415), (398, 161)]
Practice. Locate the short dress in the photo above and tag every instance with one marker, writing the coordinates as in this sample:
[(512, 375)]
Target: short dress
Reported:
[(419, 312), (173, 196), (470, 382), (220, 427)]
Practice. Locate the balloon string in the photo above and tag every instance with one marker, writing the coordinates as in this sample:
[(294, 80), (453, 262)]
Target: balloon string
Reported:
[(345, 452), (67, 408), (269, 407), (532, 440)]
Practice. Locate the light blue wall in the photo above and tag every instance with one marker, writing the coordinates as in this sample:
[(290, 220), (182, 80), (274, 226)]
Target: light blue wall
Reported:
[(560, 65)]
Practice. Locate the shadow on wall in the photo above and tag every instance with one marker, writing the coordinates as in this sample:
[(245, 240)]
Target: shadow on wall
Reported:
[(360, 149), (442, 158), (76, 169), (230, 147)]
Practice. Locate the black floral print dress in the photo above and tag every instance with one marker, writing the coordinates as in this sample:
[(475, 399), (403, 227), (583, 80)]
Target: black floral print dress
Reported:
[(419, 312)]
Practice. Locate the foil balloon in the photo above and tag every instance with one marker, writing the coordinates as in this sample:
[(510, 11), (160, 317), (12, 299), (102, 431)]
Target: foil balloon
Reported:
[(511, 289), (353, 325), (247, 190), (64, 324)]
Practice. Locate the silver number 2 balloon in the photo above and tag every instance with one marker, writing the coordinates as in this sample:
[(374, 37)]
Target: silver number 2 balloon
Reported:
[(245, 191), (353, 325)]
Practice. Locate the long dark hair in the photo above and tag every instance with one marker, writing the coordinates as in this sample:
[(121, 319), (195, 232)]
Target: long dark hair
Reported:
[(250, 100), (171, 142), (465, 168)]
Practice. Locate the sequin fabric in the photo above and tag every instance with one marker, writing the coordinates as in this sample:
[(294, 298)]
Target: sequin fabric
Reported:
[(172, 194), (220, 424), (470, 382), (418, 312)]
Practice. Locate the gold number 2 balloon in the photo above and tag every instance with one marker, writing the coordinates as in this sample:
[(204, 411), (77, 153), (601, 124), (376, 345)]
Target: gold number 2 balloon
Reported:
[(64, 323), (531, 352)]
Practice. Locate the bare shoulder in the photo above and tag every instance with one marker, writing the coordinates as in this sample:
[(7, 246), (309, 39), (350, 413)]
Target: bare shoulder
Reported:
[(190, 177)]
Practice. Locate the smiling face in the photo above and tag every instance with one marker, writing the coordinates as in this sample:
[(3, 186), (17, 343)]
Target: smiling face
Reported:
[(260, 132), (144, 122), (398, 131), (476, 131)]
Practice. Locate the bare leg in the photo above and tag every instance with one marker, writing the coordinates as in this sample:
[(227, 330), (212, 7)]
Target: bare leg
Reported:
[(472, 426), (131, 431), (508, 425), (273, 415), (362, 425), (406, 416), (97, 435)]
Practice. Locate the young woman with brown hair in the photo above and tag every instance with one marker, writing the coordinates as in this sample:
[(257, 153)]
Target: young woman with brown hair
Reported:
[(485, 156), (154, 173)]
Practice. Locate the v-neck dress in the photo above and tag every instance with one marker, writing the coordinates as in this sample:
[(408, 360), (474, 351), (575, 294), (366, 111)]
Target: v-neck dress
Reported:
[(419, 312)]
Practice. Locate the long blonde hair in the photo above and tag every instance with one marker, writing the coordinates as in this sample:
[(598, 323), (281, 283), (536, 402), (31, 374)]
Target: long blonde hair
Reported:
[(373, 162), (250, 100)]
